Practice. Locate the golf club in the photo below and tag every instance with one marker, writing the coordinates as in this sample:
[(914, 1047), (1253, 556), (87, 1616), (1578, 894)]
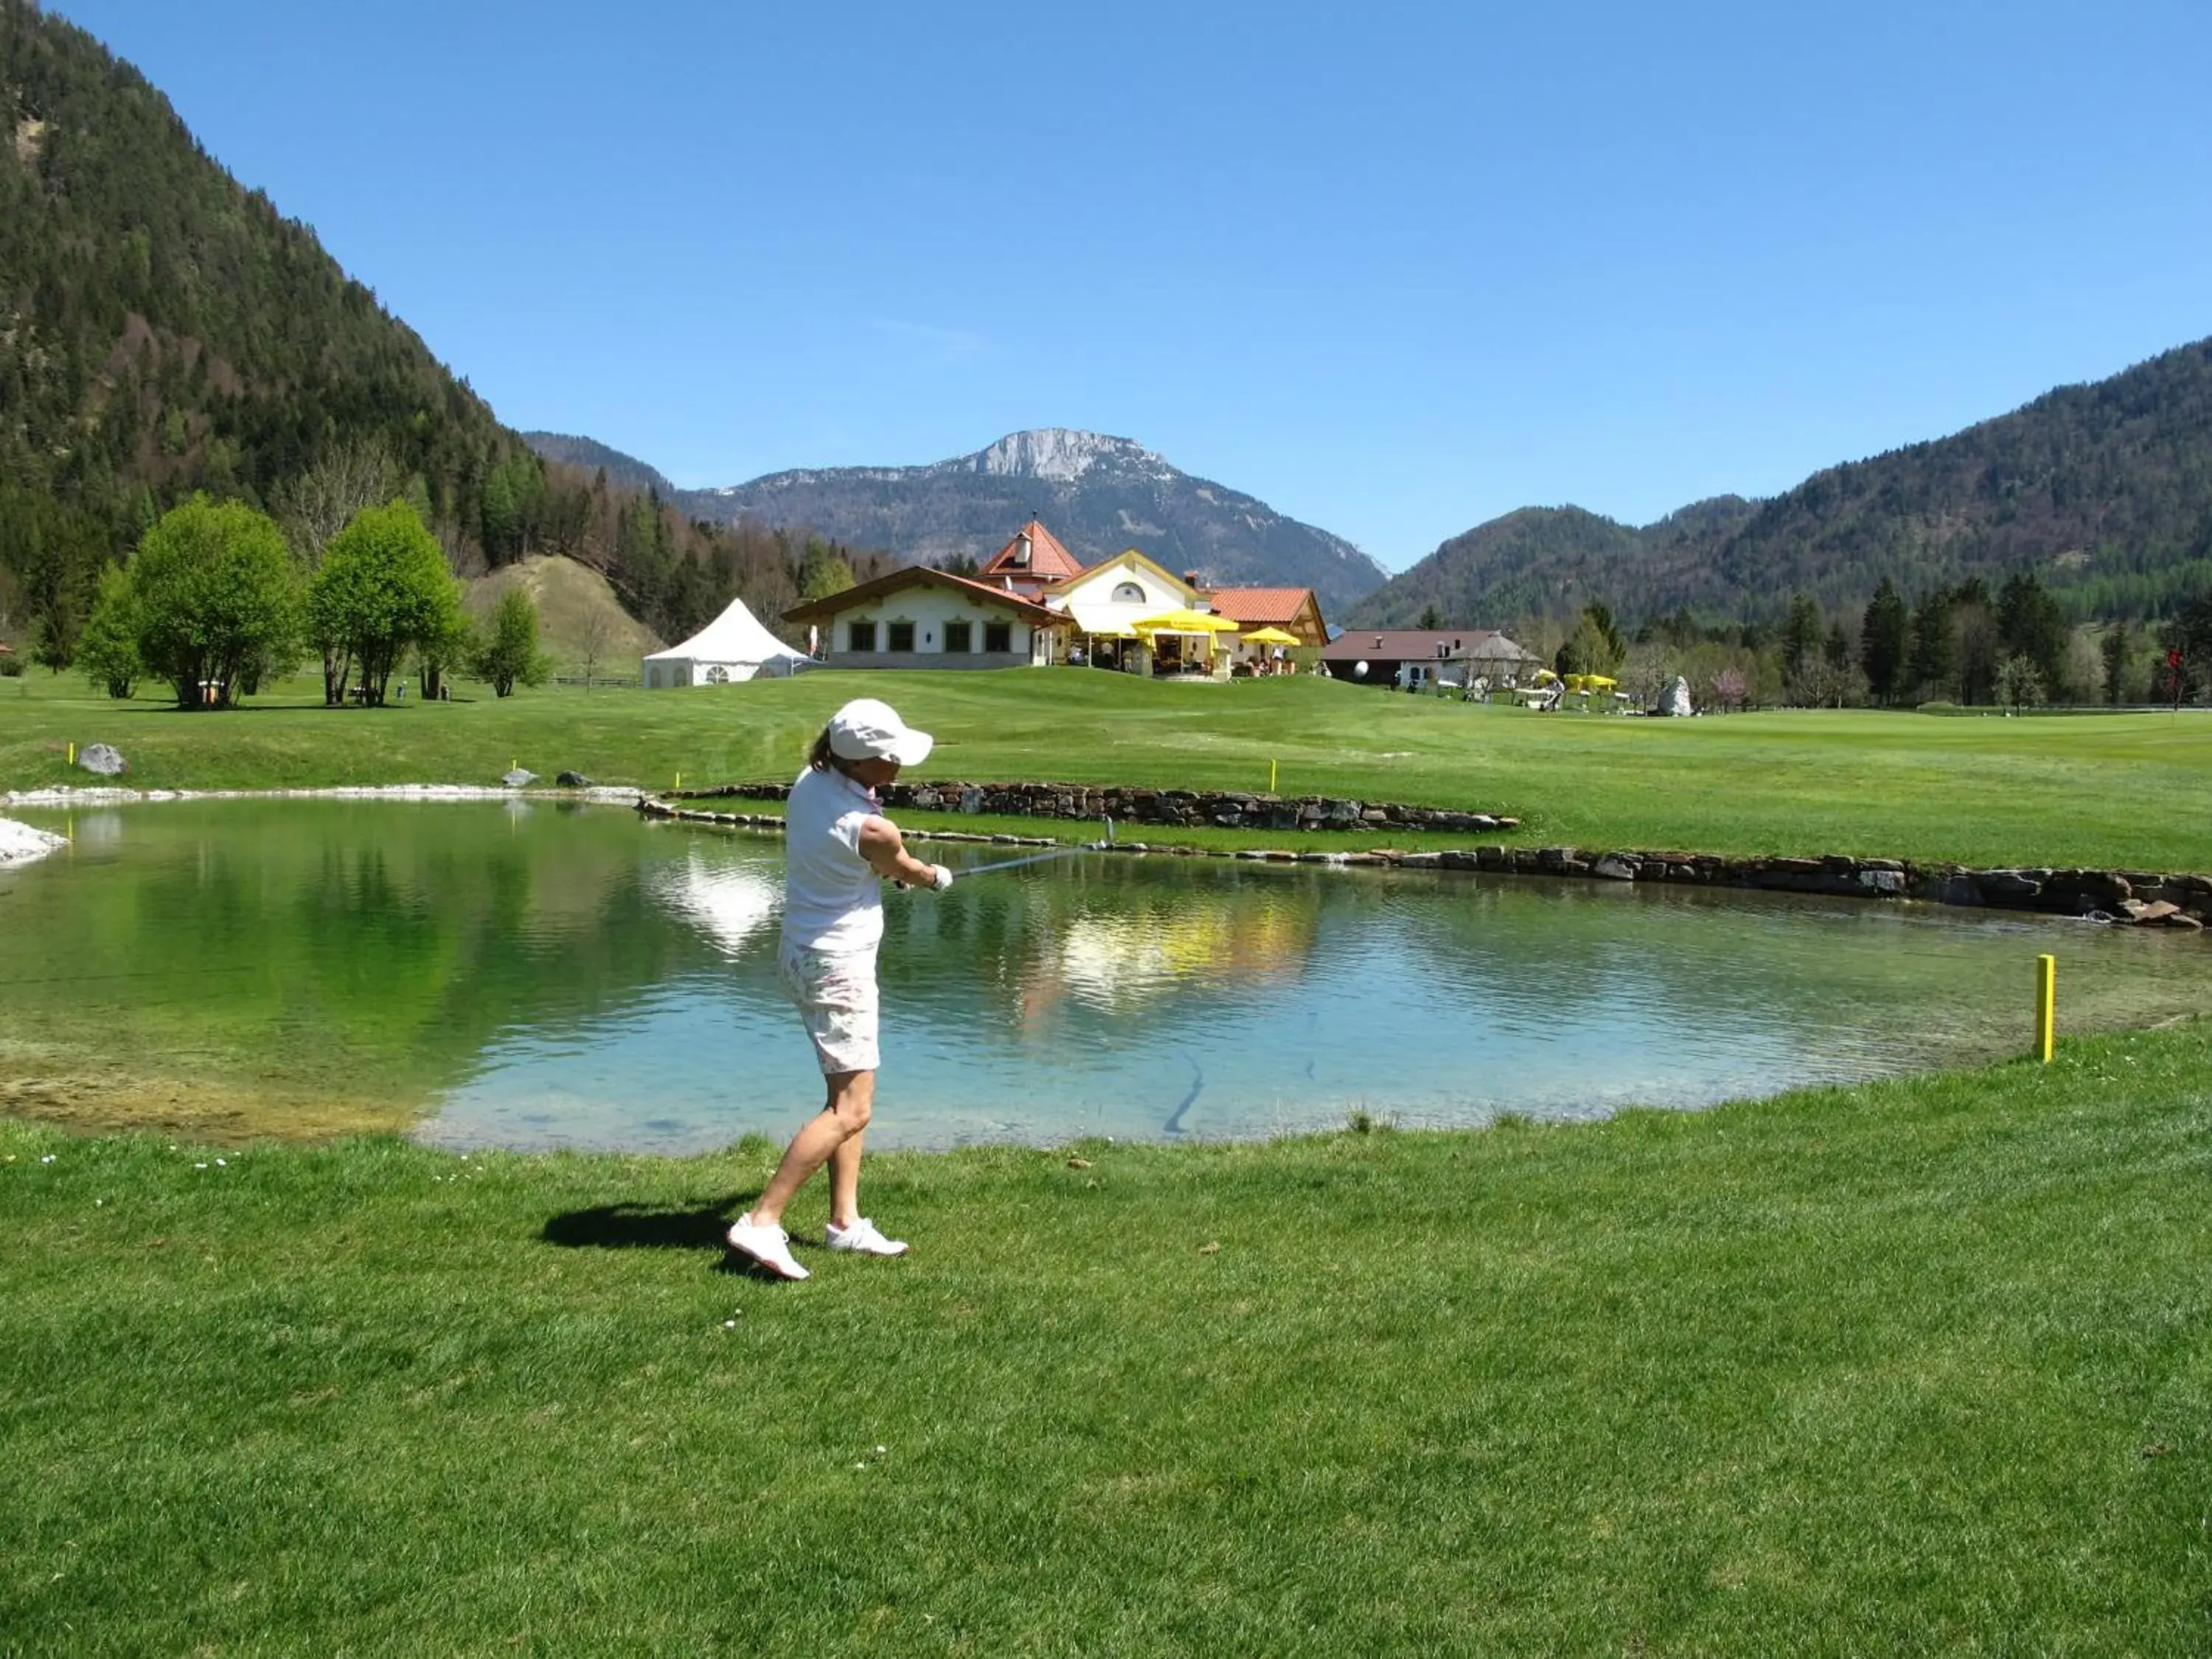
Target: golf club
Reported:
[(1098, 846)]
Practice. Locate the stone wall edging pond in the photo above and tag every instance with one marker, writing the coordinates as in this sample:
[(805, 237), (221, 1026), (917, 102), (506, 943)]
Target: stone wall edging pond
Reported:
[(1186, 809), (2142, 897)]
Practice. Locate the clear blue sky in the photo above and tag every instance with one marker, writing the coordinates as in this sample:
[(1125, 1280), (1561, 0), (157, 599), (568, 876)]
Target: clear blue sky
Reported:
[(1392, 268)]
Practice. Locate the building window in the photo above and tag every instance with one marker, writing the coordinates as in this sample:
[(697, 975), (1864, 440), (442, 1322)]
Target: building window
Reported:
[(718, 675), (998, 636), (860, 636), (900, 637), (960, 636), (1128, 593)]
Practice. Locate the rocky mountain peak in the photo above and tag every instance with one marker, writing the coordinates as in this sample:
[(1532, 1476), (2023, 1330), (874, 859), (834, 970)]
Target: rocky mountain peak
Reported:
[(1058, 453)]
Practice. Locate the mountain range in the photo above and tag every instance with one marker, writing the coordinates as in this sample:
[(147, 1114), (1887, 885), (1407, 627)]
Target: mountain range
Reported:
[(1099, 495), (164, 329), (2103, 491)]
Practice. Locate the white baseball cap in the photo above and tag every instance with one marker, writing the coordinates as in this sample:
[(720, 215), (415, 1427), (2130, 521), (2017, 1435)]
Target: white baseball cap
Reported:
[(866, 729)]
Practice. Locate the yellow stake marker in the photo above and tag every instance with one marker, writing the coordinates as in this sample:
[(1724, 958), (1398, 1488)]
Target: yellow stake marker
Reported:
[(72, 760), (680, 780), (1271, 777), (2046, 1006)]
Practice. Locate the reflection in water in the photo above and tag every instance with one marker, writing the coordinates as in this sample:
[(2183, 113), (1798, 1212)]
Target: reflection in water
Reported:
[(1123, 956), (580, 978), (735, 905)]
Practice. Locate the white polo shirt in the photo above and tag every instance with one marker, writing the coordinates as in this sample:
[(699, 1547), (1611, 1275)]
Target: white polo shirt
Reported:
[(832, 900)]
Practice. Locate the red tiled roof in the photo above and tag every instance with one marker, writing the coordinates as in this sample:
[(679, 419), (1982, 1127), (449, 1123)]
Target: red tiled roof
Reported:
[(1047, 558), (1260, 605)]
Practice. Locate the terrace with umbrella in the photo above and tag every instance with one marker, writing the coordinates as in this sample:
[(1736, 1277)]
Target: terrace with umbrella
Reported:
[(1181, 641)]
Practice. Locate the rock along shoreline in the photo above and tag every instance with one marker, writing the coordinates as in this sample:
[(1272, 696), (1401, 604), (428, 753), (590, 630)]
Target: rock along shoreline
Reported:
[(19, 843), (2143, 897)]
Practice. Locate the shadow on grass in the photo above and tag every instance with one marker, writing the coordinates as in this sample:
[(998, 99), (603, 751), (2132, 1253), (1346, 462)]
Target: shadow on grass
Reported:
[(652, 1227), (644, 1226)]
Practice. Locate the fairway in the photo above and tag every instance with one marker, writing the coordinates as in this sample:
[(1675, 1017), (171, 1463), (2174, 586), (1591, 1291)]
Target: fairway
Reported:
[(2126, 790), (1915, 1367)]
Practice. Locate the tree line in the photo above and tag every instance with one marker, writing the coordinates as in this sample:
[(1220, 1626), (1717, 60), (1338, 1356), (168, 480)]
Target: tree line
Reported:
[(1955, 642)]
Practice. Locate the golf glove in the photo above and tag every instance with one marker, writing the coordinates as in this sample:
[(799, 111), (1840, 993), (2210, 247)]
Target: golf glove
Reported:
[(940, 877)]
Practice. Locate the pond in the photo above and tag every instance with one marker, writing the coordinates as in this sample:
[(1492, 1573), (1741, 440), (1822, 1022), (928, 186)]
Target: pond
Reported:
[(532, 974)]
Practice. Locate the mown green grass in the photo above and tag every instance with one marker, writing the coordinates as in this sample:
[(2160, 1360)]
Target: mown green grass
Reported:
[(1916, 1367), (2132, 790)]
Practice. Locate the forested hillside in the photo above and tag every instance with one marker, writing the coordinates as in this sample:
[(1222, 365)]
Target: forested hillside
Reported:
[(2104, 492), (165, 330), (589, 455)]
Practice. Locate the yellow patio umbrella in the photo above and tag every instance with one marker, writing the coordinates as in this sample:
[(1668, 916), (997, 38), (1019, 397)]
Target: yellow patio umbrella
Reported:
[(1270, 637), (1599, 682), (1544, 676), (1185, 621)]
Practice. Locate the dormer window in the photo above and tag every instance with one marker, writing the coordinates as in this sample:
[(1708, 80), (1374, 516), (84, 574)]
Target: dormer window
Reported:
[(1021, 559)]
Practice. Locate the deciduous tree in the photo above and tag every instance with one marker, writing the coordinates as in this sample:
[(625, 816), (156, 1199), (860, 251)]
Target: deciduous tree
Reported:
[(595, 637), (823, 571), (509, 655), (383, 590), (218, 595), (2018, 683), (108, 650)]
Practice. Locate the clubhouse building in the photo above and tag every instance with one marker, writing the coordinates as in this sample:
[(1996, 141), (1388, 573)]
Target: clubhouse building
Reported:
[(1033, 603)]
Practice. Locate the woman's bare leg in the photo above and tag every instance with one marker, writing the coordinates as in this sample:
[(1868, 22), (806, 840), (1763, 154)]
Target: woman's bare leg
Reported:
[(842, 1121), (845, 1179)]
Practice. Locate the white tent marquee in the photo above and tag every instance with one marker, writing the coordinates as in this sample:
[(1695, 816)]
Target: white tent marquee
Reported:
[(733, 646)]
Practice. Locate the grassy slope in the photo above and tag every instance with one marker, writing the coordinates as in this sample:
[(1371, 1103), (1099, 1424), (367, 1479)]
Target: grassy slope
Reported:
[(2126, 790), (571, 598), (1916, 1367)]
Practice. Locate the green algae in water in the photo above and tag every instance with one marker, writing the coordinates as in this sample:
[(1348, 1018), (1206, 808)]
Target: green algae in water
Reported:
[(534, 975)]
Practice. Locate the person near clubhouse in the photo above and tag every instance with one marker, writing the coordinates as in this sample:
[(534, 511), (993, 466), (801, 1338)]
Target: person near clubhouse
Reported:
[(839, 848)]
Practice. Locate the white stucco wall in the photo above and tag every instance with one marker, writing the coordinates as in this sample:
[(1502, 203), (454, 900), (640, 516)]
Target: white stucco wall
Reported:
[(1090, 597), (929, 609)]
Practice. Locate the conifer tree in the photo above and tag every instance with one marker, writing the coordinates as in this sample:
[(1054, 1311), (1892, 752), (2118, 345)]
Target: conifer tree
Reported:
[(1884, 642)]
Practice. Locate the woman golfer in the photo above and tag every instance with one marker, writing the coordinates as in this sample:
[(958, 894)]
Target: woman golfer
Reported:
[(839, 848)]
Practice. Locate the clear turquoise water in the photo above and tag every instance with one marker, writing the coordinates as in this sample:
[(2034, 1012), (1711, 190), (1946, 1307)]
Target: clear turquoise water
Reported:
[(533, 976)]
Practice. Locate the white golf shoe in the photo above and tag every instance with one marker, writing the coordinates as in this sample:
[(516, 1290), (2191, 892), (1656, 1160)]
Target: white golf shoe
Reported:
[(864, 1237), (769, 1246)]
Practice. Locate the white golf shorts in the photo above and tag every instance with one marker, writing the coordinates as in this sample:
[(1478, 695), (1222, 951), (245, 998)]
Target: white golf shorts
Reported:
[(835, 991)]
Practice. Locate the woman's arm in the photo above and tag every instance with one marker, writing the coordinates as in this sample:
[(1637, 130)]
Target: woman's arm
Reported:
[(886, 852)]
